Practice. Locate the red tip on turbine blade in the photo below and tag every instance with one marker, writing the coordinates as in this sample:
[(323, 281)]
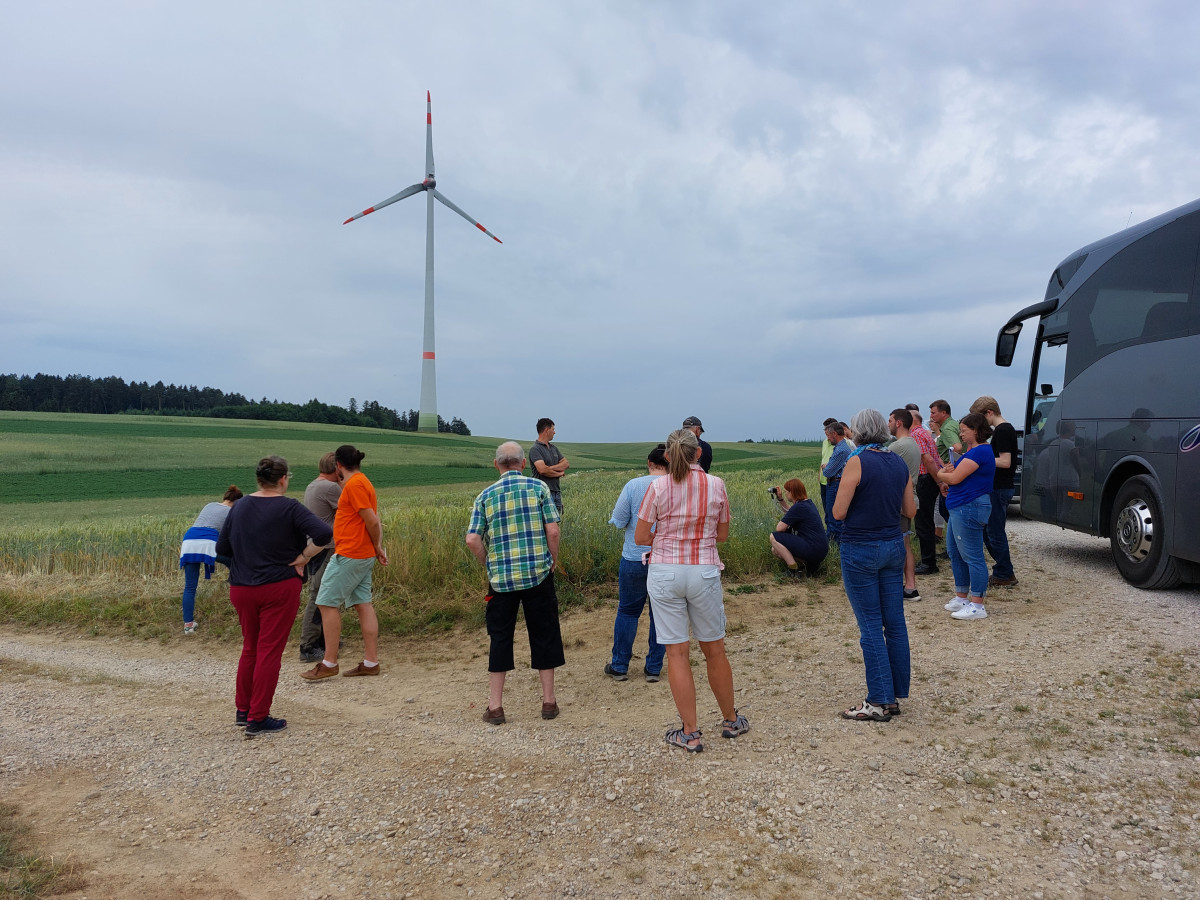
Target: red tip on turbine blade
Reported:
[(428, 99), (428, 354), (348, 221), (485, 231)]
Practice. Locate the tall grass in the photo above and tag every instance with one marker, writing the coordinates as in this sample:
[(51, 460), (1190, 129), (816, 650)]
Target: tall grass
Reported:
[(125, 573)]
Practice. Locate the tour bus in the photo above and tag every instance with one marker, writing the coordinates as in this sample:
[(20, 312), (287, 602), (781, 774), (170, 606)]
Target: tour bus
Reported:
[(1112, 413)]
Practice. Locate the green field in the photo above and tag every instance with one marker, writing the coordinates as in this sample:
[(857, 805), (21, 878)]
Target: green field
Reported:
[(92, 515)]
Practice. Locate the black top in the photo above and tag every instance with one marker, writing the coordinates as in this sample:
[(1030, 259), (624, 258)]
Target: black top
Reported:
[(803, 519), (1004, 440), (263, 535), (705, 454)]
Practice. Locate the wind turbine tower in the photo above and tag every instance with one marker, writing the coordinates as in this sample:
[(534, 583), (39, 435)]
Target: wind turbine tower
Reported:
[(428, 420)]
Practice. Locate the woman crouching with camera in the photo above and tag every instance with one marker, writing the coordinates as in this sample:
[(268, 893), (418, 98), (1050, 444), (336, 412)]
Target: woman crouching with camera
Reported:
[(799, 537)]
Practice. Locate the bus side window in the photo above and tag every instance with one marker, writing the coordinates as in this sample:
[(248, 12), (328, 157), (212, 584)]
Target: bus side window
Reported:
[(1144, 293)]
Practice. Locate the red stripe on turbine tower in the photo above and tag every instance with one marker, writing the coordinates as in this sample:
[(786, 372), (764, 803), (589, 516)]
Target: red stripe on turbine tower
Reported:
[(428, 354)]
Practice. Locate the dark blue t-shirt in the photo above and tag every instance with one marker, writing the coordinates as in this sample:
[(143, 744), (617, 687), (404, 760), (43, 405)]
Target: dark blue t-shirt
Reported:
[(803, 519), (874, 513), (978, 483), (805, 537)]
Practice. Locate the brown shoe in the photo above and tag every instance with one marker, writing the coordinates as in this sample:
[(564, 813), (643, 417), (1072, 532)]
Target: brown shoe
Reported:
[(1002, 582), (319, 671), (494, 716), (360, 669), (549, 710)]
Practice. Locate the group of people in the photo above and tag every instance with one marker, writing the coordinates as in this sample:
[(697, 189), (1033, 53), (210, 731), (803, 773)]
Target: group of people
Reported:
[(272, 544), (899, 473), (876, 474), (966, 479), (673, 518)]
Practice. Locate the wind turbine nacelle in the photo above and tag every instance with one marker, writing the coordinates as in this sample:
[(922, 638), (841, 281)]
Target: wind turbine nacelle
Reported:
[(429, 182)]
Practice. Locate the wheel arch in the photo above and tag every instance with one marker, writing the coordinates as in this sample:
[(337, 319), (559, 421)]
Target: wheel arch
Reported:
[(1122, 472)]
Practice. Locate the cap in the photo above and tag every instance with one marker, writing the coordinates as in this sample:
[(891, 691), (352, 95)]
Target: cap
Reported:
[(692, 421)]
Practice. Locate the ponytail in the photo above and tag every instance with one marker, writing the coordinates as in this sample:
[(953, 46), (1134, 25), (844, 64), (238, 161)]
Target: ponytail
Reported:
[(682, 445)]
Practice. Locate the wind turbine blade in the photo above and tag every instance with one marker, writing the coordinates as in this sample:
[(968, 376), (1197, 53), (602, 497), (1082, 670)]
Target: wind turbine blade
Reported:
[(407, 192), (428, 135), (439, 195)]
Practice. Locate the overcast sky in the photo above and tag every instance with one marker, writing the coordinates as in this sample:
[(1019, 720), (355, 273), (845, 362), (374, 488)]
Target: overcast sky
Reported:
[(757, 216)]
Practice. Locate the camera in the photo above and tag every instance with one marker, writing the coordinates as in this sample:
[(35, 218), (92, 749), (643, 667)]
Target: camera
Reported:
[(774, 492)]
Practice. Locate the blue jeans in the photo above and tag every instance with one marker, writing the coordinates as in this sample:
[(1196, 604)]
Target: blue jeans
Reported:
[(873, 576), (631, 587), (994, 537), (964, 542), (191, 581)]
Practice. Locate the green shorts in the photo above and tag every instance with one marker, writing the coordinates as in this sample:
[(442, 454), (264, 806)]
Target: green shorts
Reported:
[(346, 582)]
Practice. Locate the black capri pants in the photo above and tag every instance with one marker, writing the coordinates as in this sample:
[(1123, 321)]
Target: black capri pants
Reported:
[(541, 621)]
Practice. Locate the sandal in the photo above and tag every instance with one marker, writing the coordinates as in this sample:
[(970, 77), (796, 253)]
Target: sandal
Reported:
[(680, 738), (892, 709), (866, 712), (731, 728)]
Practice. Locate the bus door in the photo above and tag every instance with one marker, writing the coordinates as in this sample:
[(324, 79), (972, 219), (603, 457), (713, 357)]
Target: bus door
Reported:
[(1059, 451)]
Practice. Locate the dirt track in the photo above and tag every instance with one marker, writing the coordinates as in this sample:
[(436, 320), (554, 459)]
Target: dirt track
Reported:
[(1048, 751)]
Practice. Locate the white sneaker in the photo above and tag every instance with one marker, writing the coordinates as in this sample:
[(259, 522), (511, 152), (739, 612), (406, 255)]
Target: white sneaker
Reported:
[(970, 611), (955, 604)]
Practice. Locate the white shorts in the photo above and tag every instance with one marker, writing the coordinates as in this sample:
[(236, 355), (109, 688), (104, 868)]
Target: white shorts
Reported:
[(683, 594)]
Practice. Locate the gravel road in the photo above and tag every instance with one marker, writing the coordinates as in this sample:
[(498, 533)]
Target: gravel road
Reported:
[(1049, 751)]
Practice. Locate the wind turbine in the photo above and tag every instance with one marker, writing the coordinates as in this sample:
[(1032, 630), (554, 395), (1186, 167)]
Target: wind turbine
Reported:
[(428, 419)]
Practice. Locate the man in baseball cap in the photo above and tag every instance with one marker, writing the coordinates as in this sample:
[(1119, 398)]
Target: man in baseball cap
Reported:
[(693, 423)]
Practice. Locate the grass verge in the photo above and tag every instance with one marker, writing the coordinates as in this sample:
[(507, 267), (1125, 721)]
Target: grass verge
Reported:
[(122, 577), (24, 873)]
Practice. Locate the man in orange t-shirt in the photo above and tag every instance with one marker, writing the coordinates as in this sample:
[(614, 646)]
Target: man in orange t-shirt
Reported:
[(357, 544)]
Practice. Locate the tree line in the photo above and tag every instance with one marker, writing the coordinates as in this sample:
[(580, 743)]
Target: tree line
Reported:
[(84, 394)]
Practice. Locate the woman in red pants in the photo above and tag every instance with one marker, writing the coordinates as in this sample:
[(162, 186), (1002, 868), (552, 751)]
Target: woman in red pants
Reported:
[(270, 538)]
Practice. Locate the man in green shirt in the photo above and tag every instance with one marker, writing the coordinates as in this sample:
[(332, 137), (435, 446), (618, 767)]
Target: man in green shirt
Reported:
[(948, 438)]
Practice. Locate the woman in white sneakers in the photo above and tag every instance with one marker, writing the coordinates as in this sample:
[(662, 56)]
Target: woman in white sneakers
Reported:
[(970, 505)]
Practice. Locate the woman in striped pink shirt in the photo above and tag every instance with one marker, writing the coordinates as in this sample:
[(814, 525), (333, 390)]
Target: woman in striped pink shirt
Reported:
[(683, 517)]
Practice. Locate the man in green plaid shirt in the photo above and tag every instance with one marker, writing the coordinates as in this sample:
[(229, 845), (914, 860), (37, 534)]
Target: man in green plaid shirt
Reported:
[(514, 535)]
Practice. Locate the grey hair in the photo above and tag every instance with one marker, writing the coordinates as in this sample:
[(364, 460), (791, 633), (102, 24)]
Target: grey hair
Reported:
[(509, 454), (869, 427)]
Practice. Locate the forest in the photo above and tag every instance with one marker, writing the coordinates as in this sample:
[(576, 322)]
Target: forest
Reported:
[(84, 394)]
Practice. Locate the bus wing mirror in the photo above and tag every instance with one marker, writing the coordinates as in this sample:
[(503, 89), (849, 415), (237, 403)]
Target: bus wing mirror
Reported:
[(1006, 343), (1047, 389)]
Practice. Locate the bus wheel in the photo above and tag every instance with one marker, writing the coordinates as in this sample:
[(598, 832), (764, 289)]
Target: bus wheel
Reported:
[(1138, 535)]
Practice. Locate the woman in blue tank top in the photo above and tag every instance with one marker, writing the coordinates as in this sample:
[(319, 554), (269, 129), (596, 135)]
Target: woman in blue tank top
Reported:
[(875, 491), (970, 504)]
